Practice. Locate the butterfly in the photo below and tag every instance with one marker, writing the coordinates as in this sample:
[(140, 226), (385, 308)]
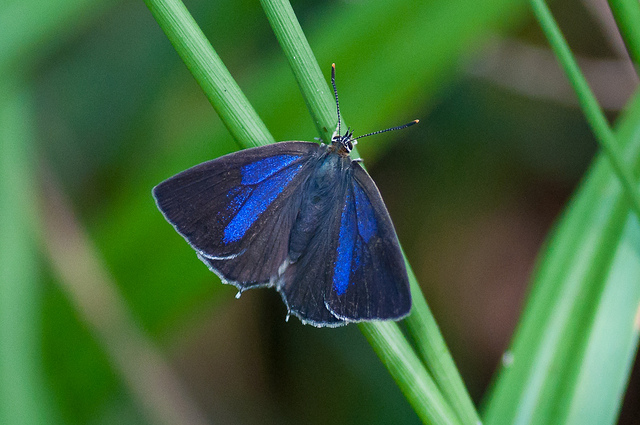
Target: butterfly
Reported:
[(301, 217)]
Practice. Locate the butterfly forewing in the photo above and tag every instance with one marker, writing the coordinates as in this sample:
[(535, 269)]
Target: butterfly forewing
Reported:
[(237, 211), (369, 279)]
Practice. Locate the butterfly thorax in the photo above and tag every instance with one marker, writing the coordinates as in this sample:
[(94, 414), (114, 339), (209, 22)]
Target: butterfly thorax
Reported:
[(322, 197)]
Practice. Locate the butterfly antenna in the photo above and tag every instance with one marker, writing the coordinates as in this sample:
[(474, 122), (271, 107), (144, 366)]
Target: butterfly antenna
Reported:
[(335, 92), (400, 127)]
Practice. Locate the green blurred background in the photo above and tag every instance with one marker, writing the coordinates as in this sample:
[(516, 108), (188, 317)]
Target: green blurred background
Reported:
[(106, 110)]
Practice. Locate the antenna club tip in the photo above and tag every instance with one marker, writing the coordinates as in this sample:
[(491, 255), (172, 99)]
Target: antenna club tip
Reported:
[(333, 65), (416, 121)]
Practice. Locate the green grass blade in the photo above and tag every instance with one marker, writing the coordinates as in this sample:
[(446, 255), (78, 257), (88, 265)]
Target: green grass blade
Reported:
[(22, 392), (434, 352), (597, 379), (601, 376), (421, 323), (627, 16), (564, 330), (560, 331), (317, 94), (588, 102), (585, 284), (408, 372), (221, 89)]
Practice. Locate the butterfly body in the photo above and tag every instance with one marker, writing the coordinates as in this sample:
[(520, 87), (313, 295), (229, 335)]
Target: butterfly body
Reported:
[(321, 196)]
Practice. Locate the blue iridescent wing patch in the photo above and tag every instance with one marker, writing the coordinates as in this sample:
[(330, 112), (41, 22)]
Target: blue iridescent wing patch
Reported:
[(262, 182), (237, 211)]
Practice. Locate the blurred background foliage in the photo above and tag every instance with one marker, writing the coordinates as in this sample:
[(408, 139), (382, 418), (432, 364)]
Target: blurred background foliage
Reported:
[(107, 110)]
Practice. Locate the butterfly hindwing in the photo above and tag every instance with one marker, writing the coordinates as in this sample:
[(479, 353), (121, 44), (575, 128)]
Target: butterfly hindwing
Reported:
[(369, 279), (237, 211)]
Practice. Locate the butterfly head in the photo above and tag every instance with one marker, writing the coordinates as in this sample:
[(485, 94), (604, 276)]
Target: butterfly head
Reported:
[(343, 143)]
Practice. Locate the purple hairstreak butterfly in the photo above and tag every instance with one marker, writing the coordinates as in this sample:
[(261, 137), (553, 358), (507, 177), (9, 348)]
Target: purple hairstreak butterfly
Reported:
[(301, 217)]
